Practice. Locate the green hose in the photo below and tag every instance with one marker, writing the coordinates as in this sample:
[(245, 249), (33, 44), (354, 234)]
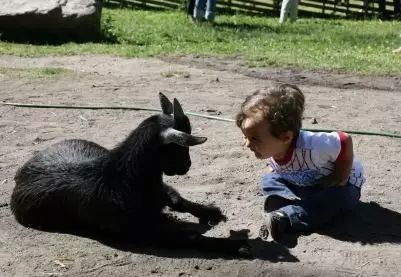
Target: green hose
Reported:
[(393, 135)]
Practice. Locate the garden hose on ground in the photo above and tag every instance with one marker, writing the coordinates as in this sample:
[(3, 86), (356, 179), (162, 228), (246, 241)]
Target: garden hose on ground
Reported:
[(393, 135)]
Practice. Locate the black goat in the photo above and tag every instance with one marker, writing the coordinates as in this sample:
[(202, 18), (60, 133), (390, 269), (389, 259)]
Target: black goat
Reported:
[(78, 183)]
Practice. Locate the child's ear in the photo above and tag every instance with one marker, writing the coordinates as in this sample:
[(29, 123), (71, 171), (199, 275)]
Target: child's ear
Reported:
[(287, 137)]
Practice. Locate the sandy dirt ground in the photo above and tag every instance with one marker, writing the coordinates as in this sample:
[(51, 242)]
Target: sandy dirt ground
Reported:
[(367, 243)]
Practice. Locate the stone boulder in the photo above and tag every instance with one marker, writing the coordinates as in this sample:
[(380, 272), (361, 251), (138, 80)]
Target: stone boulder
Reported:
[(63, 18)]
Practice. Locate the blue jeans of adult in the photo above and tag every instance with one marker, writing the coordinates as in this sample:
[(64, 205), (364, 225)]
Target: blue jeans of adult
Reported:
[(205, 9), (309, 207)]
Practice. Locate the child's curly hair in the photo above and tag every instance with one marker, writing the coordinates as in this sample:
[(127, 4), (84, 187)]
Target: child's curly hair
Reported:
[(281, 105)]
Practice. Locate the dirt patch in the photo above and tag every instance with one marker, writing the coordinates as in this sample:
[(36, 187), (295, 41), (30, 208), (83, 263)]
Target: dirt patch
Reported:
[(333, 79), (366, 244)]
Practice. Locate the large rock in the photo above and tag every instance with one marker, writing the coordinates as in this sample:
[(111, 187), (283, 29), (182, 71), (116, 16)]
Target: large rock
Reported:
[(77, 18)]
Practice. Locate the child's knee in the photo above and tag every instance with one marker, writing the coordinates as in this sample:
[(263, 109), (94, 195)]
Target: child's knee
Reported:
[(270, 179), (269, 182), (275, 202), (273, 185), (352, 197)]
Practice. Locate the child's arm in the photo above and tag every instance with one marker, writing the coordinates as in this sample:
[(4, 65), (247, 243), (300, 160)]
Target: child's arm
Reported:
[(343, 164)]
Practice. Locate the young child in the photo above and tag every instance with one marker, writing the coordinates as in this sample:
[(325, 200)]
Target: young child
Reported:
[(314, 176)]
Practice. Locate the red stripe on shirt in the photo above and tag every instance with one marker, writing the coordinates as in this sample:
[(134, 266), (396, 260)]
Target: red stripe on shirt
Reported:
[(289, 153), (343, 140)]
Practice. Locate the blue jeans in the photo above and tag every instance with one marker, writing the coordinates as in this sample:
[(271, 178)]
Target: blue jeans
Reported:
[(205, 9), (309, 207)]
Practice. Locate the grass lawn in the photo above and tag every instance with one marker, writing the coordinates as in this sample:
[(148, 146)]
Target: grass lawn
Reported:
[(345, 45)]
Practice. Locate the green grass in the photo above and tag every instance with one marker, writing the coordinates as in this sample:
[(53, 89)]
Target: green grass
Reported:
[(344, 45), (34, 72)]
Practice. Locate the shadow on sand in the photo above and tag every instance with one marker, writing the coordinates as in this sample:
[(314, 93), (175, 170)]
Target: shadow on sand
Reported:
[(237, 246), (175, 245), (370, 223)]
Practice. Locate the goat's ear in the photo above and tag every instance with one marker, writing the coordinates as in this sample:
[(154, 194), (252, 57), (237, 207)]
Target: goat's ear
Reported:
[(178, 112), (171, 135), (167, 106)]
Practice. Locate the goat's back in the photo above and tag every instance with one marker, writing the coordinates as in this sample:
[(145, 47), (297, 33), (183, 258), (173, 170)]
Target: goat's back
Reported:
[(48, 185)]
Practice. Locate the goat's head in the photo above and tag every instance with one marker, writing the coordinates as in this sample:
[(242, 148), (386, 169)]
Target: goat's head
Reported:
[(176, 138)]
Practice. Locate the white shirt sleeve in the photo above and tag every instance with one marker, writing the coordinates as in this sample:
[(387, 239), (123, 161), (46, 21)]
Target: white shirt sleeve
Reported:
[(328, 145)]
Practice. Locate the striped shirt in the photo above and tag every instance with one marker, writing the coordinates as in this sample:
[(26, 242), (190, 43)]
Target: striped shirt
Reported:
[(312, 157)]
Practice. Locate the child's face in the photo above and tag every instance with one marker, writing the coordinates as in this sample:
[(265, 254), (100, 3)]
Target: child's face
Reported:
[(261, 142)]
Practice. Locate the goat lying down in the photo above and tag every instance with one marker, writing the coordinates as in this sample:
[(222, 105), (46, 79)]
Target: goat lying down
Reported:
[(77, 183)]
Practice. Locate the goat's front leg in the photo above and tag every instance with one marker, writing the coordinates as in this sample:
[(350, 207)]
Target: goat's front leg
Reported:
[(206, 214)]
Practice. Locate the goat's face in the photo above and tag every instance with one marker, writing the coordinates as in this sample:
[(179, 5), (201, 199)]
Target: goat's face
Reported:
[(175, 158)]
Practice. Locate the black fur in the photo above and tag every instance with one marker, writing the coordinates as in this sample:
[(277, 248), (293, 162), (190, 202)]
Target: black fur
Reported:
[(78, 183)]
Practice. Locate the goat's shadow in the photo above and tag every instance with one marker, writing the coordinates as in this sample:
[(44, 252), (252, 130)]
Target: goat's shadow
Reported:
[(370, 223), (206, 248)]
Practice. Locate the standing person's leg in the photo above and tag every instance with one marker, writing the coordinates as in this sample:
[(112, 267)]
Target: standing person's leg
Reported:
[(210, 10), (199, 10), (382, 9), (321, 207), (294, 10), (190, 7), (397, 8), (285, 9)]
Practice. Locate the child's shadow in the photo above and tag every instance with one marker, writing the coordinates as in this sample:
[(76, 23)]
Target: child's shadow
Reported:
[(369, 224)]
